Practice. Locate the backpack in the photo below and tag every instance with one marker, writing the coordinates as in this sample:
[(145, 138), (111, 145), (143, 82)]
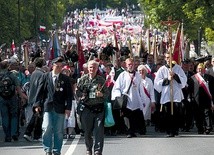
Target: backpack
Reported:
[(7, 86)]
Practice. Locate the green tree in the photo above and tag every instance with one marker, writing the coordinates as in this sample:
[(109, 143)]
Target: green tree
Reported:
[(195, 14)]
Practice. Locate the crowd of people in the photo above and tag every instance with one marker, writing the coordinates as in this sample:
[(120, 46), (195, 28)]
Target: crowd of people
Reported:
[(59, 100)]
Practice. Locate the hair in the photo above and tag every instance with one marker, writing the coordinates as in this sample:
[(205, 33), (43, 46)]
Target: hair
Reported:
[(4, 64), (201, 65), (39, 62), (142, 67), (93, 62), (129, 59)]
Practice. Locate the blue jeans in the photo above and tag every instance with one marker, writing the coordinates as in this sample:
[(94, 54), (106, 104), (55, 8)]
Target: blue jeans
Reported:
[(53, 124), (9, 114)]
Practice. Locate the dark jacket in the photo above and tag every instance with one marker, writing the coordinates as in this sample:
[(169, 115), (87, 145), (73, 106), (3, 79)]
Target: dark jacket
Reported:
[(35, 85), (57, 98), (199, 94)]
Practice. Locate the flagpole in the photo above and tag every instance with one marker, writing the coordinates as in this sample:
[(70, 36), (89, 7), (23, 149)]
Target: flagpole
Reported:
[(169, 24)]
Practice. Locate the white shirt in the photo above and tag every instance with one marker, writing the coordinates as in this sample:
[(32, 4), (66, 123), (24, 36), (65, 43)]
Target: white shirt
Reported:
[(54, 76), (148, 84), (136, 93), (162, 74)]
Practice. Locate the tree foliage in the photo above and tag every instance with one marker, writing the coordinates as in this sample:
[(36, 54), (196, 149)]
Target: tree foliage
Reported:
[(195, 14), (28, 15)]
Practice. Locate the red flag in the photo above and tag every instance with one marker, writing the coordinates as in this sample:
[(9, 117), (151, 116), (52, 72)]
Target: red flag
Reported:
[(176, 50), (42, 28), (13, 48), (81, 58), (98, 17)]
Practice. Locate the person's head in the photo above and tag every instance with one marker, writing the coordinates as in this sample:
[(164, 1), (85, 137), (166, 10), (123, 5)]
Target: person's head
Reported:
[(161, 60), (212, 61), (191, 66), (201, 68), (208, 64), (31, 67), (4, 64), (136, 63), (185, 65), (57, 65), (85, 68), (92, 68), (122, 62), (108, 67), (142, 70), (13, 66), (66, 70), (39, 62), (150, 59), (167, 57), (130, 65)]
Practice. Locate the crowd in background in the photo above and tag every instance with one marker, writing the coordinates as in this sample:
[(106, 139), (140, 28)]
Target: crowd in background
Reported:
[(149, 99)]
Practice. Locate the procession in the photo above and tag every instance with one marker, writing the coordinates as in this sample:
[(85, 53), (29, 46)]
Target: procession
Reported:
[(103, 74)]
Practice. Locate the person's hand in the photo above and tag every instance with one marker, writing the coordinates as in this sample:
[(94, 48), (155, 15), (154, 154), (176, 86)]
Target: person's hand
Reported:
[(153, 106), (37, 109), (171, 74), (99, 94), (67, 113)]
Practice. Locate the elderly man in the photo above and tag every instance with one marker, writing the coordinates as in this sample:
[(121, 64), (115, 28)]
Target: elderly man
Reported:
[(136, 96), (203, 92), (92, 93)]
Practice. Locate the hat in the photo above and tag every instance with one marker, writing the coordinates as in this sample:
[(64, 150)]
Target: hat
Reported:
[(58, 59), (185, 61), (66, 68)]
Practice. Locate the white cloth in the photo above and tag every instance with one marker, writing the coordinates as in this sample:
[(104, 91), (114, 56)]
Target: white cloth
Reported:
[(136, 93), (163, 73), (54, 76), (70, 122), (148, 84)]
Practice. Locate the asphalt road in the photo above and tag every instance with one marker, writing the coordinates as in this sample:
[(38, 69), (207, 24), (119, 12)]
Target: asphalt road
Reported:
[(187, 143)]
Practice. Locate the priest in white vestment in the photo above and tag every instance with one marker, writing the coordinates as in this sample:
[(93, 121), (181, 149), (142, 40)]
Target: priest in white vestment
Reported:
[(136, 97), (162, 84)]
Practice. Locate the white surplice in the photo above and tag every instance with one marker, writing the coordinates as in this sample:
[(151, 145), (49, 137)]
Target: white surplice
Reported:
[(148, 84), (163, 73), (136, 93)]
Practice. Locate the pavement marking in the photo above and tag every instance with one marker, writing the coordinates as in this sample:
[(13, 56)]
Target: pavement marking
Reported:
[(73, 145)]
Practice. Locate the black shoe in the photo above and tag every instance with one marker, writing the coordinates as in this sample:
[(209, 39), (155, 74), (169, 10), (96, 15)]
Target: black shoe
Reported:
[(207, 132), (88, 152), (131, 135), (171, 135), (48, 153), (7, 139), (15, 138), (97, 153), (200, 132), (142, 132), (27, 138)]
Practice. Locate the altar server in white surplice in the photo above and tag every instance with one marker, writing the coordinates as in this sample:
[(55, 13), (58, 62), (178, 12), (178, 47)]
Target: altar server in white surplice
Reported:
[(149, 91), (135, 100), (162, 85)]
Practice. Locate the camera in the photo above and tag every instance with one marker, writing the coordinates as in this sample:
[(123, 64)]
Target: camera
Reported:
[(71, 56)]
